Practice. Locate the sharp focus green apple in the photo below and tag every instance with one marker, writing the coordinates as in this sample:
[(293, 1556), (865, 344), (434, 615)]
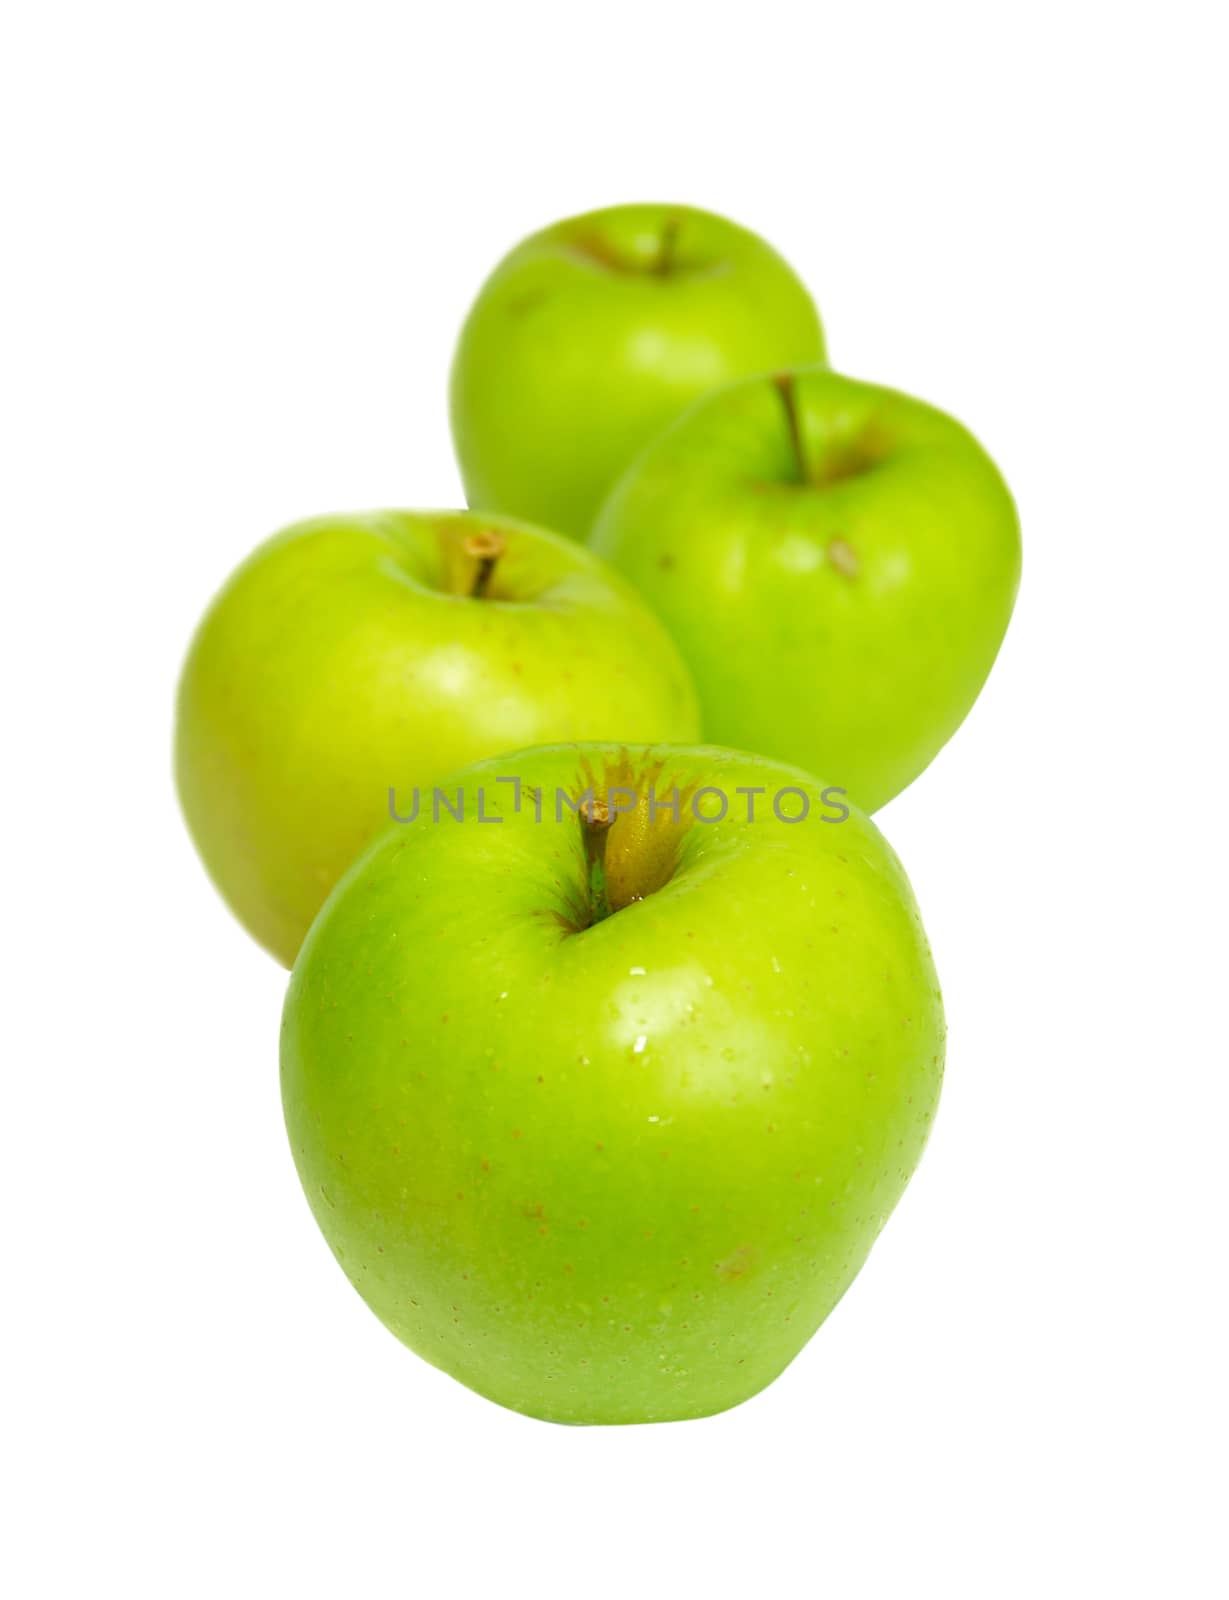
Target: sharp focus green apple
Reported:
[(601, 1106), (352, 655), (592, 335), (837, 563)]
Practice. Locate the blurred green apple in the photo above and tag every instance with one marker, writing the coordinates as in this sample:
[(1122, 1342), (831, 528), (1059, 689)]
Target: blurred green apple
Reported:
[(592, 335), (838, 564), (352, 655), (602, 1094)]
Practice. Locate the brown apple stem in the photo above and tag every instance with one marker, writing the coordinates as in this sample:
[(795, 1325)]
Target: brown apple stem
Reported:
[(595, 820), (485, 547), (666, 244), (789, 399), (595, 823)]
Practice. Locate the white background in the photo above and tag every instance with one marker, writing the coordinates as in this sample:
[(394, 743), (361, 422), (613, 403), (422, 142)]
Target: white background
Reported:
[(239, 241)]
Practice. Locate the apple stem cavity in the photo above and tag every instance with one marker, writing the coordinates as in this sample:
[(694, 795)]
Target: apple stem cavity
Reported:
[(840, 458), (484, 547), (630, 852)]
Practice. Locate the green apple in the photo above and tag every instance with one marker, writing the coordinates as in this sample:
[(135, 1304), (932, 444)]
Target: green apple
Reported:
[(837, 563), (601, 1102), (352, 656), (592, 335)]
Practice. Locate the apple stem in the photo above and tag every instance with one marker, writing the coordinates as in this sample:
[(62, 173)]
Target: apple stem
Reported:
[(666, 245), (789, 399), (485, 547), (595, 823)]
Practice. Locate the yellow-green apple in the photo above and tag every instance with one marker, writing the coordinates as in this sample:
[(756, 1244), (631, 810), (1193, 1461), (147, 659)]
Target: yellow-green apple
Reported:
[(602, 1094), (352, 656), (837, 563), (592, 335)]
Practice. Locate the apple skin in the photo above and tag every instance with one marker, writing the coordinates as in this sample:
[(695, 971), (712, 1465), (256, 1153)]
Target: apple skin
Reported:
[(839, 585), (594, 334), (622, 1172), (346, 657)]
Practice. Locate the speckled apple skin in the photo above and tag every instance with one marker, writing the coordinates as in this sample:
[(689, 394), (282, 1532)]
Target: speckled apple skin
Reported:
[(845, 625), (623, 1174), (338, 663)]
